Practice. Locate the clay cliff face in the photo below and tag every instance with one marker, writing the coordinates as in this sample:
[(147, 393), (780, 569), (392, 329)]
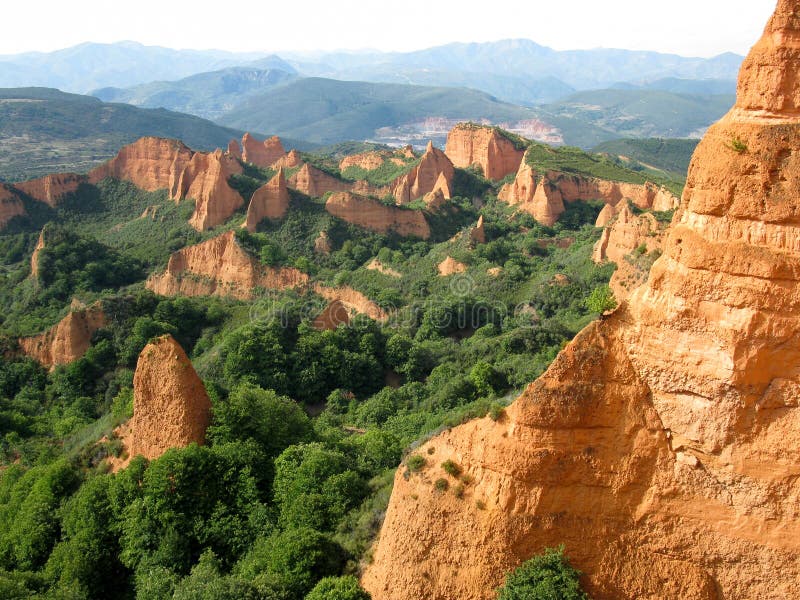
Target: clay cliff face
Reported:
[(262, 154), (66, 341), (35, 256), (469, 144), (51, 189), (171, 408), (366, 160), (219, 267), (628, 241), (10, 206), (543, 195), (425, 177), (289, 161), (662, 447), (353, 300), (234, 149), (270, 201), (376, 216), (315, 183), (335, 314), (154, 164)]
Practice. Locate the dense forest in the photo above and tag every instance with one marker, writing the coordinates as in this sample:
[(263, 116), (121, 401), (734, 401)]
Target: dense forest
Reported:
[(309, 425)]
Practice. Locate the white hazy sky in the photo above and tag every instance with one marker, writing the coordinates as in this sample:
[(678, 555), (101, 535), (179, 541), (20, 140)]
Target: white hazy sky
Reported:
[(687, 27)]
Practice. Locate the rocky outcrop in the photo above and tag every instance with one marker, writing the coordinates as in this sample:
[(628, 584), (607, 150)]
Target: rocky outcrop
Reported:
[(368, 161), (270, 201), (66, 341), (477, 234), (628, 241), (51, 189), (335, 314), (469, 144), (220, 267), (322, 245), (171, 408), (662, 447), (155, 164), (543, 195), (35, 256), (376, 265), (315, 183), (205, 179), (353, 300), (150, 164), (10, 206), (235, 150), (291, 160), (425, 177), (376, 216), (450, 266), (262, 154), (606, 215)]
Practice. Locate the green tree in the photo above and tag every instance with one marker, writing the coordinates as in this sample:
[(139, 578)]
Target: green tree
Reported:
[(601, 300), (338, 588), (548, 576)]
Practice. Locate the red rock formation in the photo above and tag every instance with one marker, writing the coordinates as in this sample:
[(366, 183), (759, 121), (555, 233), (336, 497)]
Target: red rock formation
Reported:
[(205, 180), (220, 267), (335, 314), (290, 161), (50, 189), (622, 242), (66, 341), (545, 205), (149, 163), (605, 216), (450, 266), (477, 234), (10, 206), (315, 183), (270, 201), (376, 265), (171, 408), (424, 178), (353, 300), (35, 256), (322, 245), (375, 216), (469, 144), (262, 154), (235, 150), (662, 447), (366, 160)]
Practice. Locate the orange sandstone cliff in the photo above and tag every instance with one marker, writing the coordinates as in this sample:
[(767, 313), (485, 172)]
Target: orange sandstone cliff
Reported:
[(220, 267), (376, 216), (543, 195), (205, 179), (662, 446), (270, 201), (171, 408), (262, 154), (150, 164), (51, 189), (315, 183), (10, 205), (353, 300), (469, 144), (433, 169), (629, 241), (332, 316), (68, 340)]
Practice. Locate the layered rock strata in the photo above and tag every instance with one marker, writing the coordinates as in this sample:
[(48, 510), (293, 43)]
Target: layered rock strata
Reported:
[(661, 446)]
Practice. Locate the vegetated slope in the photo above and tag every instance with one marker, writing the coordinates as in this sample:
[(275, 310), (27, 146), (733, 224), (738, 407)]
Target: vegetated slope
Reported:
[(44, 131), (644, 113), (669, 155), (207, 95), (677, 85), (91, 66), (335, 111)]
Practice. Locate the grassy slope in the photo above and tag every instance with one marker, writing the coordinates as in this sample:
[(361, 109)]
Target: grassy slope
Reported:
[(669, 155)]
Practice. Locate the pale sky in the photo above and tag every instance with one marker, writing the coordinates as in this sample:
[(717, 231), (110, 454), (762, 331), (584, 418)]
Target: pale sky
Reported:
[(687, 27)]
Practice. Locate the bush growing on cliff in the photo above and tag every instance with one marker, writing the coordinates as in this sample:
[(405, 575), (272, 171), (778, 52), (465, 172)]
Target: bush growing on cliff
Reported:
[(601, 300), (548, 576)]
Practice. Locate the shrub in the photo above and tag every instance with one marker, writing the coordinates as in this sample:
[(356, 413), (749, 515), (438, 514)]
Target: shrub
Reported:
[(441, 485), (451, 468), (738, 146), (340, 588), (415, 463), (601, 300), (544, 577)]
